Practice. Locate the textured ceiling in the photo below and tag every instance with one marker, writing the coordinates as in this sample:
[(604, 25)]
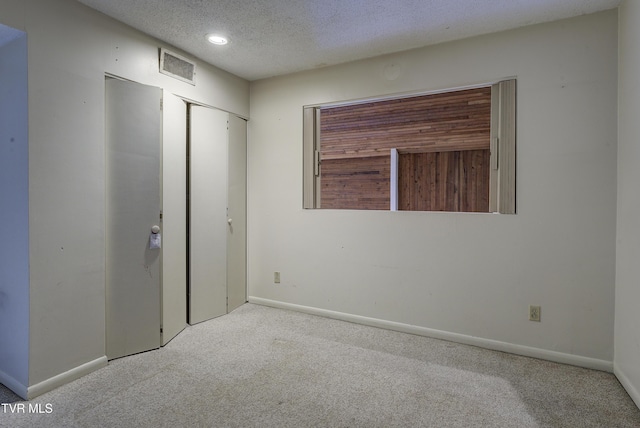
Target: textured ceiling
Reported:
[(274, 37)]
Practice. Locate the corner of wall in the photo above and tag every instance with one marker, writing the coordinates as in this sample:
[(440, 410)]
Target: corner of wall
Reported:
[(627, 384), (626, 334), (11, 383), (14, 222)]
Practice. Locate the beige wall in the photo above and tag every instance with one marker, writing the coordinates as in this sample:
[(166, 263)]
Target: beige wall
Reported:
[(464, 276), (71, 47), (627, 322), (14, 211)]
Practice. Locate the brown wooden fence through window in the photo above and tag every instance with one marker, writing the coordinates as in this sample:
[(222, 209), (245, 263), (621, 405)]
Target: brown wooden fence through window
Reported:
[(443, 142)]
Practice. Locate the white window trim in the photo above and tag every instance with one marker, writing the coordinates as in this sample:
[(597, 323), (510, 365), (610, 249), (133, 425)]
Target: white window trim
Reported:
[(502, 178), (393, 194)]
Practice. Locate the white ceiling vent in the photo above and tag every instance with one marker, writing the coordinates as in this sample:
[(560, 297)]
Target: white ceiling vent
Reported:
[(177, 66)]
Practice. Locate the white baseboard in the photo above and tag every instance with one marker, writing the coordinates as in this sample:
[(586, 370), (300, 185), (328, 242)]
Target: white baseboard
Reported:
[(11, 383), (66, 377), (527, 351), (627, 384)]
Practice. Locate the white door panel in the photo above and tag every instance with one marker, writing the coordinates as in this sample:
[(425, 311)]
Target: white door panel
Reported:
[(174, 216), (208, 217), (133, 125), (237, 230)]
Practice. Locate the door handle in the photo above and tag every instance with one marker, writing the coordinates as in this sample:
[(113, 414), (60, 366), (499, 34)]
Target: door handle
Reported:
[(230, 221), (155, 229)]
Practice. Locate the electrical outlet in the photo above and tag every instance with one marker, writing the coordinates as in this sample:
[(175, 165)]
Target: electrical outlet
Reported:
[(534, 313), (276, 277)]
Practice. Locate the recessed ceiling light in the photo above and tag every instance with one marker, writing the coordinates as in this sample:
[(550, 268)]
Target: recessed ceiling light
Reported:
[(217, 40)]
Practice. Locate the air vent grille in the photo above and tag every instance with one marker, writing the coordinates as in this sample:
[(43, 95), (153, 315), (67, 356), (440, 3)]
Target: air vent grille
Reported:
[(177, 67)]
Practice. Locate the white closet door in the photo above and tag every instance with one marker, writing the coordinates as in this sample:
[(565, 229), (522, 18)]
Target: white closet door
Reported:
[(237, 230), (133, 126), (174, 216), (208, 214)]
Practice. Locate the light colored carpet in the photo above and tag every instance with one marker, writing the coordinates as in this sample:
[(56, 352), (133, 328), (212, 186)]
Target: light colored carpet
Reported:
[(265, 367)]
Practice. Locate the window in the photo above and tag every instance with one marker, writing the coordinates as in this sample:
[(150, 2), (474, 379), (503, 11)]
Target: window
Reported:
[(446, 151)]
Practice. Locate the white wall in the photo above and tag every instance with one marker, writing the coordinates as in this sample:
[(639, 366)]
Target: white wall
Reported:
[(71, 47), (14, 211), (468, 274), (627, 320)]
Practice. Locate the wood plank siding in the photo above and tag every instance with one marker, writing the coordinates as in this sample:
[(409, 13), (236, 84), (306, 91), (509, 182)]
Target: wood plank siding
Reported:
[(444, 181), (354, 139), (356, 183)]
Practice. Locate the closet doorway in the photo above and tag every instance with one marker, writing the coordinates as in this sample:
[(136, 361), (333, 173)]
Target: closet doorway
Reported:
[(217, 213), (176, 215)]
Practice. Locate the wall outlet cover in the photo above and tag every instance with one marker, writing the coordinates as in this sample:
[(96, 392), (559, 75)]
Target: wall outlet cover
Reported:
[(534, 313)]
